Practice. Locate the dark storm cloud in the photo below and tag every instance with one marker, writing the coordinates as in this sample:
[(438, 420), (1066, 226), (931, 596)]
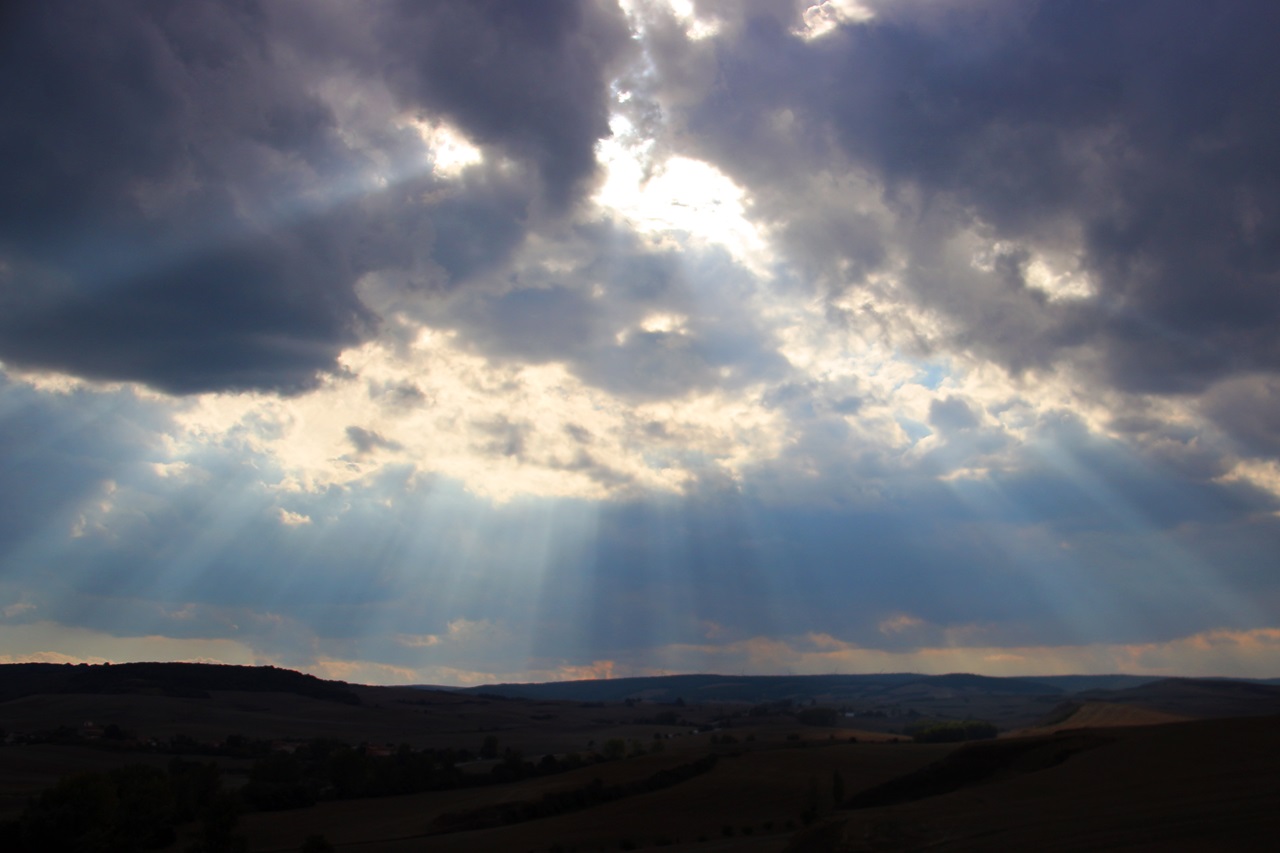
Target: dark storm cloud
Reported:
[(1144, 132), (129, 134), (529, 78), (184, 205), (1248, 407)]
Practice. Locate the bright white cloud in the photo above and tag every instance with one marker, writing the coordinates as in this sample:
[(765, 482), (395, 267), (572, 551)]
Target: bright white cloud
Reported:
[(504, 431), (451, 151), (690, 199), (821, 18)]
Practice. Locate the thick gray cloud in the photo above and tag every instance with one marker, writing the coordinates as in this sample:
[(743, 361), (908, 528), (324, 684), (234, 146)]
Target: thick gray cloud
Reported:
[(136, 136), (186, 207), (1248, 407), (1141, 135), (587, 308), (531, 79)]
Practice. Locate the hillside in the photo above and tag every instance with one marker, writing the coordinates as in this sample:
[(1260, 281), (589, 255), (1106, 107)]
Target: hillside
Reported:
[(194, 680), (770, 688), (1196, 697), (1200, 785)]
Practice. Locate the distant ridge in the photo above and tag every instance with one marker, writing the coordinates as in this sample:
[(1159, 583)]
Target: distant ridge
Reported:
[(192, 680), (776, 688)]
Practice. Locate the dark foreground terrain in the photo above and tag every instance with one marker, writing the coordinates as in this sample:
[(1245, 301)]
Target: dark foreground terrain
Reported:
[(202, 757)]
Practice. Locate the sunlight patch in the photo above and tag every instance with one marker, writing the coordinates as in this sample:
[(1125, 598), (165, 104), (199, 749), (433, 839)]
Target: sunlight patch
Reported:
[(900, 623), (824, 17), (293, 519), (1260, 473), (1058, 275), (665, 323), (695, 28), (681, 195), (451, 151), (417, 641)]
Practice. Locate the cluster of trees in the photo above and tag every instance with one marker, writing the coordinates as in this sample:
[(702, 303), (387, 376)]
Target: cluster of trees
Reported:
[(191, 680), (664, 718), (953, 731), (131, 808), (819, 717), (139, 807), (332, 770)]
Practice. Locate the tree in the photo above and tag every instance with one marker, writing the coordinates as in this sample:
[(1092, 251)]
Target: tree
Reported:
[(614, 748), (810, 813)]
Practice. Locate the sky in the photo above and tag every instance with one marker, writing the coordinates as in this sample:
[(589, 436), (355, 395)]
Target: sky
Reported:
[(464, 341)]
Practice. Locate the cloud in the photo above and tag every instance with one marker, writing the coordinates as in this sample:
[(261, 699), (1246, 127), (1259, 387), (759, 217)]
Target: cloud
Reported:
[(46, 642), (1119, 144), (951, 415), (293, 519), (157, 150), (367, 441), (1245, 654), (533, 84), (1248, 409), (448, 339), (17, 609), (203, 188)]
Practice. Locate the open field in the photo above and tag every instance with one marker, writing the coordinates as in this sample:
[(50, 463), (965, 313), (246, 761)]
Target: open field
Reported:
[(1101, 715)]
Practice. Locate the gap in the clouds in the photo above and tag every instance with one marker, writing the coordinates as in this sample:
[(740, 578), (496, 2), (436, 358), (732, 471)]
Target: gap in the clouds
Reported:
[(688, 199)]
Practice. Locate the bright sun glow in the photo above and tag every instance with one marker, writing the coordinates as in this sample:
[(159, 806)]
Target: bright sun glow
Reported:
[(824, 17), (680, 195), (695, 28), (451, 151)]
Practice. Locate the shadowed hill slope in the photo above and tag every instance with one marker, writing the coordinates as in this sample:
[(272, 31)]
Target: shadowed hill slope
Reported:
[(192, 680), (1195, 697), (1198, 785), (768, 688)]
